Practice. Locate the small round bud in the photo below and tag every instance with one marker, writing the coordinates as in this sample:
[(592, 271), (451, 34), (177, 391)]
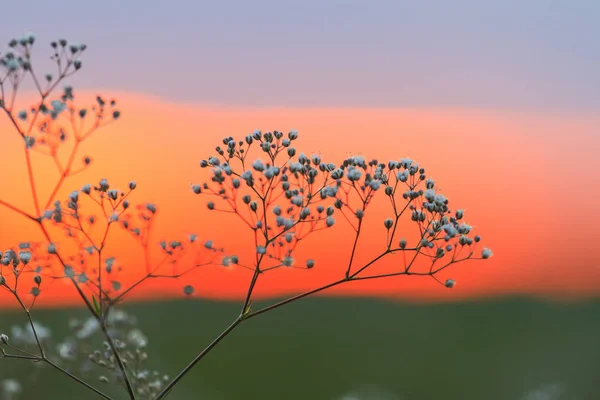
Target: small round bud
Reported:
[(52, 248), (486, 253), (188, 290), (402, 243), (330, 221), (449, 283), (388, 223), (310, 264), (4, 338)]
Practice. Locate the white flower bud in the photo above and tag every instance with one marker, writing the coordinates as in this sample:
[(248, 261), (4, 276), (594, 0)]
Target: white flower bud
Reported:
[(486, 253), (375, 184), (353, 174), (104, 185), (288, 261), (25, 257)]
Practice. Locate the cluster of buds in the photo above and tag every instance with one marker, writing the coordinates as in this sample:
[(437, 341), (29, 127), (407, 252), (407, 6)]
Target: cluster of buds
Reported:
[(279, 199)]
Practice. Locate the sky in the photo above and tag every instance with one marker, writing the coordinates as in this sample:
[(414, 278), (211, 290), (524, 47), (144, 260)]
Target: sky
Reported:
[(498, 100), (514, 54)]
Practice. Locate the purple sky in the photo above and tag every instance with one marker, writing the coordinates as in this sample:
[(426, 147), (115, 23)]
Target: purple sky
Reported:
[(534, 54)]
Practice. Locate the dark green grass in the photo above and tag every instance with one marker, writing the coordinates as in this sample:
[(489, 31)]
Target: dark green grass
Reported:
[(326, 348)]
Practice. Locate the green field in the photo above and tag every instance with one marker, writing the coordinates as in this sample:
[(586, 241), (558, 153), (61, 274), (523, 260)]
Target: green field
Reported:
[(365, 349)]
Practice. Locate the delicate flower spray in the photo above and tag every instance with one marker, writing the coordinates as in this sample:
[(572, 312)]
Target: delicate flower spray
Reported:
[(279, 193)]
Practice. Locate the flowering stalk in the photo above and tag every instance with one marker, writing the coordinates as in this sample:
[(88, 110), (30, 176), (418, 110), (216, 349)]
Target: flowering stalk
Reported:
[(282, 197)]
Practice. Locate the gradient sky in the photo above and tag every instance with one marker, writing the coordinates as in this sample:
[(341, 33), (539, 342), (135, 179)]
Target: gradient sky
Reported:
[(534, 54), (498, 100)]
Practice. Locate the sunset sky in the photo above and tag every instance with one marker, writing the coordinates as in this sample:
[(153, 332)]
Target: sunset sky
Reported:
[(499, 102)]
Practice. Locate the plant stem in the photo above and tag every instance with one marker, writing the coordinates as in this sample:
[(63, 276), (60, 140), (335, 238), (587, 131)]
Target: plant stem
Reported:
[(223, 334)]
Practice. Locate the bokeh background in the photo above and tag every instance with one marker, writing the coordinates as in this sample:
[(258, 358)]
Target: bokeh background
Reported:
[(497, 100)]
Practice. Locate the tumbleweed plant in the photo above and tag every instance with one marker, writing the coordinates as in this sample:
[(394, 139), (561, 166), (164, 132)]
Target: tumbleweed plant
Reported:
[(279, 194)]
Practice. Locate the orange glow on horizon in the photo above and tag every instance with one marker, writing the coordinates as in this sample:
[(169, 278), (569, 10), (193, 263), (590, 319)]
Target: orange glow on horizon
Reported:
[(515, 174)]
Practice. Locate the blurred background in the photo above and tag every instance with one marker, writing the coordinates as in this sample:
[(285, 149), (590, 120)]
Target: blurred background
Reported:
[(497, 100)]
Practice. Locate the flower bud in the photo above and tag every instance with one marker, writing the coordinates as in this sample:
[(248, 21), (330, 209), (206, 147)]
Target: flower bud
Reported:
[(449, 283), (25, 257), (4, 339), (188, 290), (388, 223), (288, 261), (486, 253), (402, 243), (104, 185), (440, 253)]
